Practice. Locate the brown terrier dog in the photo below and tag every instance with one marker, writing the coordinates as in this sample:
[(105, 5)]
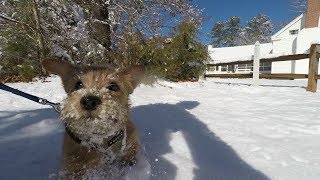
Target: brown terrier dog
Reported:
[(96, 116)]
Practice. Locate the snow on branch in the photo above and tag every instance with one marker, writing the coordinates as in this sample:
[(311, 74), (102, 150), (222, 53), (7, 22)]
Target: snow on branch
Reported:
[(299, 6), (18, 22)]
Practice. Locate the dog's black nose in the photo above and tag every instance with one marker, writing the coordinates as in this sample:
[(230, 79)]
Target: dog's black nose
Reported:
[(90, 102)]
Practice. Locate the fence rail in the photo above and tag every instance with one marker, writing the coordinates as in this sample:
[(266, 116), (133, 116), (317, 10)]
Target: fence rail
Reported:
[(263, 76), (312, 75), (263, 60)]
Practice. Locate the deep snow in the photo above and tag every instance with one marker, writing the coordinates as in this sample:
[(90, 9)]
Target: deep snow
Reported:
[(215, 129)]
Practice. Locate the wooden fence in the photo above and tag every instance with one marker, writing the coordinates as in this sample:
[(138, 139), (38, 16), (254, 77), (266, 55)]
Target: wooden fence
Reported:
[(312, 75)]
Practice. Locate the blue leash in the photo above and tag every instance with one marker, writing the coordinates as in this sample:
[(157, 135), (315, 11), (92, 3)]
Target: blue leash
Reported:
[(56, 106)]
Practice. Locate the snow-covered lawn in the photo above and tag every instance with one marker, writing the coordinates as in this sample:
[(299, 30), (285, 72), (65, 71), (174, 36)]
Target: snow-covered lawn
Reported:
[(215, 129)]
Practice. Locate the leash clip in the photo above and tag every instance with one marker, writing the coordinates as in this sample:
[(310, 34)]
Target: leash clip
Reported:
[(56, 106)]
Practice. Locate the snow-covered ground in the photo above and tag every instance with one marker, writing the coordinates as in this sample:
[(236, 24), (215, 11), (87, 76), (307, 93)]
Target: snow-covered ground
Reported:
[(215, 129)]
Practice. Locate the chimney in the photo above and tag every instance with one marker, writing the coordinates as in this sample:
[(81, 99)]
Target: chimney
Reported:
[(313, 13)]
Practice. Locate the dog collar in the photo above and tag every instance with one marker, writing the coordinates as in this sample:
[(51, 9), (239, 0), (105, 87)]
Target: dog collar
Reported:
[(118, 136), (73, 137)]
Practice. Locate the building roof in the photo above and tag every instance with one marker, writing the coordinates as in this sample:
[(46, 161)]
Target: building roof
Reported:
[(238, 53), (243, 53), (287, 26)]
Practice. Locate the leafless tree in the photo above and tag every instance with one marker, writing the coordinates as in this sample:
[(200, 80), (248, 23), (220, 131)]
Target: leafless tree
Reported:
[(96, 28), (85, 31), (299, 6)]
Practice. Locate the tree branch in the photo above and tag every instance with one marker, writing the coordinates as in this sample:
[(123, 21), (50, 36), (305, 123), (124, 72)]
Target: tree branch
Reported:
[(18, 22)]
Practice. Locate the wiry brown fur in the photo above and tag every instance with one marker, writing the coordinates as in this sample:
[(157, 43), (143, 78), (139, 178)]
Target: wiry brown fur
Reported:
[(76, 157)]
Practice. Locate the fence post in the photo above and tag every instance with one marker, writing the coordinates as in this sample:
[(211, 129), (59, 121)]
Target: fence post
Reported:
[(256, 64), (313, 68)]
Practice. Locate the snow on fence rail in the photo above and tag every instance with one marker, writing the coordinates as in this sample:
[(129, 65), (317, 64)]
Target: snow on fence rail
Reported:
[(312, 75)]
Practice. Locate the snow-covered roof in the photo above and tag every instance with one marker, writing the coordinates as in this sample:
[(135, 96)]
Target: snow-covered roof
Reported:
[(238, 53), (288, 26)]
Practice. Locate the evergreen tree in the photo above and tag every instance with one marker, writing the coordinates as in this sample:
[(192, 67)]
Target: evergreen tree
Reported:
[(183, 58), (231, 33), (179, 57), (218, 35), (23, 41), (226, 34), (233, 30), (258, 28)]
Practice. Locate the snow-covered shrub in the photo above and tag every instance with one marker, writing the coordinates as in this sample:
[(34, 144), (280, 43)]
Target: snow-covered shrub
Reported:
[(178, 58)]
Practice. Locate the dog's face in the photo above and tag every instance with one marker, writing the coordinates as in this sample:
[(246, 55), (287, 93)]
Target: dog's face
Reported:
[(97, 103)]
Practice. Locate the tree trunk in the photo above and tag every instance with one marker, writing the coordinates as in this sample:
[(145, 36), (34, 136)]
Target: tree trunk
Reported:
[(97, 13), (40, 39)]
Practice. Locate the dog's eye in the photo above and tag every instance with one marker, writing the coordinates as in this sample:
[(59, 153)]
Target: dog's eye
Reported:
[(78, 85), (113, 87)]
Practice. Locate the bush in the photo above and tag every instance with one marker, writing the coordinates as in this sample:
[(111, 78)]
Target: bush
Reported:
[(180, 58), (19, 57)]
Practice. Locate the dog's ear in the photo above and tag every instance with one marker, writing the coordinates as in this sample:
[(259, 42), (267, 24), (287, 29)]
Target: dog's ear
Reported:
[(60, 67), (133, 75), (64, 69)]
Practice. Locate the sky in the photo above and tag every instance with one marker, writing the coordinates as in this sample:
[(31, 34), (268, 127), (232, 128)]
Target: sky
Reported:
[(221, 10)]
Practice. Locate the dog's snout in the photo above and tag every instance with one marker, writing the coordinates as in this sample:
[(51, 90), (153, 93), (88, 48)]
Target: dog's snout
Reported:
[(90, 102)]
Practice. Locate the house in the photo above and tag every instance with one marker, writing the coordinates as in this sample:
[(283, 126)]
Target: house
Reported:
[(295, 38)]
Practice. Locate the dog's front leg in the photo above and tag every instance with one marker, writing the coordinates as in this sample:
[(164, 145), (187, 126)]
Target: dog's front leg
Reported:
[(77, 159)]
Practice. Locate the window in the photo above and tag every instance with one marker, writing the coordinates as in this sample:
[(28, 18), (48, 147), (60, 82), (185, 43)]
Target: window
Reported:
[(227, 68), (293, 32), (212, 68), (245, 67), (230, 68), (224, 68), (265, 67)]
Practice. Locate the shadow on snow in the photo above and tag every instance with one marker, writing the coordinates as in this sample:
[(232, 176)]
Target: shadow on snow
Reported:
[(213, 158), (30, 144)]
